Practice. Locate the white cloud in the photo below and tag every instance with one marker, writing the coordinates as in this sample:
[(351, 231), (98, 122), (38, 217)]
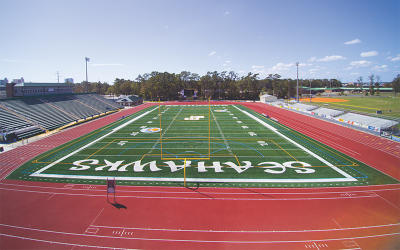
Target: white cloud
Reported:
[(105, 64), (305, 64), (331, 58), (354, 73), (227, 13), (227, 63), (258, 69), (380, 67), (354, 41), (212, 53), (361, 63), (15, 60), (312, 59), (394, 59), (279, 67), (369, 53)]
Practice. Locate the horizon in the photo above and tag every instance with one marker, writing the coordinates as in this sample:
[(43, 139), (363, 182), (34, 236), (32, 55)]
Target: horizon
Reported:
[(331, 40)]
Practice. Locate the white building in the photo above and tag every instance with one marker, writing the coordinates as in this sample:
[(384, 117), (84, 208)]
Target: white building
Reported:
[(268, 98)]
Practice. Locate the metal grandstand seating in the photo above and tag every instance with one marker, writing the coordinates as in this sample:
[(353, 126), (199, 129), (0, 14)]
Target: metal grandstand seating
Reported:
[(325, 112), (372, 123), (301, 107), (11, 123), (29, 116)]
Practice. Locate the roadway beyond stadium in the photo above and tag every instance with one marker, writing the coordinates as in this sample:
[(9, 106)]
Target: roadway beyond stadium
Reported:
[(291, 182)]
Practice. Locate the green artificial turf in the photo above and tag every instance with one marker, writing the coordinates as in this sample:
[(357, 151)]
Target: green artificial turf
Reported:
[(222, 145)]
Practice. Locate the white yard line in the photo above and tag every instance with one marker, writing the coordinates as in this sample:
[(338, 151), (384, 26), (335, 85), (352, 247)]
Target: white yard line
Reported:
[(165, 131), (38, 173), (348, 177), (222, 134)]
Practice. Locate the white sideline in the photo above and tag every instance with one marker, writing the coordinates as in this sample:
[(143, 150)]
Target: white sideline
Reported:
[(231, 180), (348, 177), (38, 173)]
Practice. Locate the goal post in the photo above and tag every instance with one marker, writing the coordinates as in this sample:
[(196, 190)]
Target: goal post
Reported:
[(167, 151), (164, 139)]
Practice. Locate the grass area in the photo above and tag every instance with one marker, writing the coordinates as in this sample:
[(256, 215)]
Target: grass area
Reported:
[(389, 105), (221, 145)]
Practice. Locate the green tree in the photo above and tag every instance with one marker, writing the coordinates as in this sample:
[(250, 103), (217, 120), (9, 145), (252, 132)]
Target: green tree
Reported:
[(360, 83), (371, 84), (377, 84), (396, 84)]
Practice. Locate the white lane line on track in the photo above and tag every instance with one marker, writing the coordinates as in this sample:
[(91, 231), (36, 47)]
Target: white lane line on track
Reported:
[(158, 189), (97, 216), (57, 242), (252, 231), (189, 240), (387, 201), (51, 196), (194, 198)]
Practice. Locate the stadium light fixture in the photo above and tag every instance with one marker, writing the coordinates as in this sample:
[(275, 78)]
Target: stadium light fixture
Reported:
[(87, 59)]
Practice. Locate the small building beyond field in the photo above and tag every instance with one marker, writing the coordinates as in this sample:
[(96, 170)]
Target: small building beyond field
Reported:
[(268, 98), (131, 100)]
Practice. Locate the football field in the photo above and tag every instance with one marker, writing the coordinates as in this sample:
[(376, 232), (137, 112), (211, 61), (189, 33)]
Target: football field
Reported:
[(199, 145)]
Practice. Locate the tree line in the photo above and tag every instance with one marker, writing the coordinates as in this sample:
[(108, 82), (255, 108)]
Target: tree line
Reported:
[(215, 85)]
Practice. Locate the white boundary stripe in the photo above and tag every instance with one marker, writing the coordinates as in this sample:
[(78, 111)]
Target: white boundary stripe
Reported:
[(348, 177), (230, 180), (222, 180), (38, 173)]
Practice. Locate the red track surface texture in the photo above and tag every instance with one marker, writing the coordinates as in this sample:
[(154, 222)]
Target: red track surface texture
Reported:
[(68, 216)]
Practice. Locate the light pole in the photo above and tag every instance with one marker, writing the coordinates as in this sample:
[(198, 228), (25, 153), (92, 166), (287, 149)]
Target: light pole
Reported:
[(87, 59), (310, 90), (297, 92)]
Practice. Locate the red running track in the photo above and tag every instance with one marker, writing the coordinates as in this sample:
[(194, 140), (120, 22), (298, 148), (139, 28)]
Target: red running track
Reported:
[(67, 216)]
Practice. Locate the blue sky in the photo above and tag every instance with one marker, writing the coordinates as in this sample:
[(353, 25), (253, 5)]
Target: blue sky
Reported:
[(330, 39)]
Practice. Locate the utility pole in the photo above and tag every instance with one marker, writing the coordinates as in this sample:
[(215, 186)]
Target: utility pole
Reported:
[(297, 92), (58, 77)]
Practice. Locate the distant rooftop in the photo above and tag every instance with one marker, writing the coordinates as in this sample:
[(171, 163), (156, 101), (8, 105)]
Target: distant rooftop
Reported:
[(41, 84)]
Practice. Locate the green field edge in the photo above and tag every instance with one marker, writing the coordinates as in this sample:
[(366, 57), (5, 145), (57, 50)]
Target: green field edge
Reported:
[(365, 175)]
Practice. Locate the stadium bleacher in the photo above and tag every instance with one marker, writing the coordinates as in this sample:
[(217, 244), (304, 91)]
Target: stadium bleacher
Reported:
[(325, 112), (33, 115), (366, 122), (369, 122), (301, 107)]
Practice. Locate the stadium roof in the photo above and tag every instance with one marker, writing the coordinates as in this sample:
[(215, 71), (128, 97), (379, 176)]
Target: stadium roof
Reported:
[(41, 84)]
